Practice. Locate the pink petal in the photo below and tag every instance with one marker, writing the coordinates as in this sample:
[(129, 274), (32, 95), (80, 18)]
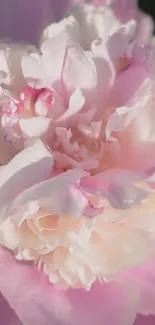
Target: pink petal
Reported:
[(100, 183), (144, 320), (126, 84), (8, 316), (118, 186), (38, 302), (143, 277), (29, 167), (145, 28)]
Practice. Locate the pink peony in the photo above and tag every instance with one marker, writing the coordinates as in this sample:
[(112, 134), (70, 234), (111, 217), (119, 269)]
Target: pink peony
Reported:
[(78, 114)]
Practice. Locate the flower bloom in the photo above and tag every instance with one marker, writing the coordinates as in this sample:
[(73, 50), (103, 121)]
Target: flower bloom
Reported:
[(79, 114)]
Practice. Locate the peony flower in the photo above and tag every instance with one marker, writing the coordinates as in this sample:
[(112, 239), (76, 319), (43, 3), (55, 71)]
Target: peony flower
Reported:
[(77, 199), (57, 96), (48, 221)]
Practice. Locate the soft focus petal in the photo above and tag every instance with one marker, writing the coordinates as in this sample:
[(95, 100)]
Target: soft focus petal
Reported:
[(104, 304), (144, 320), (145, 28), (7, 314), (70, 25), (144, 279), (127, 84), (96, 22)]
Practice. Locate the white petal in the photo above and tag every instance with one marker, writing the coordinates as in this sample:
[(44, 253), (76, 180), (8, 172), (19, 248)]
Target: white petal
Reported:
[(34, 127), (69, 25), (32, 165), (79, 70), (53, 54), (31, 68)]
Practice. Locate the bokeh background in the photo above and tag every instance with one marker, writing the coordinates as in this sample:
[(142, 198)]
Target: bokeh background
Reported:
[(23, 20)]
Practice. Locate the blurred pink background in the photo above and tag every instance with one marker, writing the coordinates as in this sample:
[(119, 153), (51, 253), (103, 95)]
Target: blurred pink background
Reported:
[(23, 20), (8, 317)]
